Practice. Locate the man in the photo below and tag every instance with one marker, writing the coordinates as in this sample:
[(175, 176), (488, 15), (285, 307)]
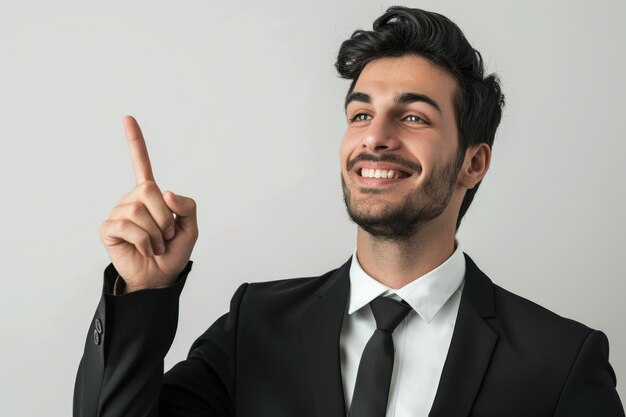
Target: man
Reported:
[(408, 326)]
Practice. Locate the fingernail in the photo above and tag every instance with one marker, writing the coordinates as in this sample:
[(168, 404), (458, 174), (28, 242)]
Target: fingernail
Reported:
[(169, 233)]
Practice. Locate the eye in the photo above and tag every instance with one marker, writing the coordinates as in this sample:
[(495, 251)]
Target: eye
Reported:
[(359, 117), (416, 119)]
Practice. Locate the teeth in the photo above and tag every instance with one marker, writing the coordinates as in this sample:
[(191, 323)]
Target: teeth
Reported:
[(379, 173)]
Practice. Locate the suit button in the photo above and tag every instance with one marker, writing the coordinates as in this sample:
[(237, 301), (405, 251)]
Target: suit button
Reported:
[(96, 337), (98, 325)]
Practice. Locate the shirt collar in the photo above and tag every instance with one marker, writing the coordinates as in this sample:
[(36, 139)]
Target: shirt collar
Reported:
[(426, 295)]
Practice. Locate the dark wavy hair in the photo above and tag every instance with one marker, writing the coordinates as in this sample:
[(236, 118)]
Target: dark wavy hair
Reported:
[(478, 101)]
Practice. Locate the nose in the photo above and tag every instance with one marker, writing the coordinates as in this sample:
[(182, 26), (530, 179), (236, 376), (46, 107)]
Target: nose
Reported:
[(380, 135)]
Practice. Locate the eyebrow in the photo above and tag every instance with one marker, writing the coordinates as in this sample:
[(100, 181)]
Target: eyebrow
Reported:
[(404, 98)]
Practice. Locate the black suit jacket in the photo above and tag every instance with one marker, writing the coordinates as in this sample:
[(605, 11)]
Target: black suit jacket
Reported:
[(276, 354)]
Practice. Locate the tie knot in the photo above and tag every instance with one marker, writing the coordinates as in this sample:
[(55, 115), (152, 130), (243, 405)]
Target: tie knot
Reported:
[(388, 312)]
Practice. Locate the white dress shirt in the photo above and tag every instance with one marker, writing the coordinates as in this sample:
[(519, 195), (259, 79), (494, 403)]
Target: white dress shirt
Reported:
[(421, 340)]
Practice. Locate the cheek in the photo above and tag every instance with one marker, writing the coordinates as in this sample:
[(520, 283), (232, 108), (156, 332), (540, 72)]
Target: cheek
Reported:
[(430, 156), (346, 149)]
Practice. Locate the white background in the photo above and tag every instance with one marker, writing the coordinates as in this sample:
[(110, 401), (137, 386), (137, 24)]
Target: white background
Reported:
[(242, 110)]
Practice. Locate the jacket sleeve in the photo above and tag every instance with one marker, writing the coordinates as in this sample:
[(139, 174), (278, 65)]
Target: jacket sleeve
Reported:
[(590, 387), (121, 371)]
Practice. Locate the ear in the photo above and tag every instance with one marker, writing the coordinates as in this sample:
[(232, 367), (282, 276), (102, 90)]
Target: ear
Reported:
[(475, 165)]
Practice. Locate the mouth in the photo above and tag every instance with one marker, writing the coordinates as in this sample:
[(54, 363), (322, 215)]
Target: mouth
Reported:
[(375, 174), (382, 173)]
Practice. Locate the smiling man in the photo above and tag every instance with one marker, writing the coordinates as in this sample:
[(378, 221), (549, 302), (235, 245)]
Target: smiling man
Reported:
[(408, 326), (393, 125)]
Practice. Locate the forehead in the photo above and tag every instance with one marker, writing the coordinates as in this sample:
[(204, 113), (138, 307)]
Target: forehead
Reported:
[(384, 77)]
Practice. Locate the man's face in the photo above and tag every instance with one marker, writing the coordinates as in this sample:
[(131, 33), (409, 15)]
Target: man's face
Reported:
[(402, 131)]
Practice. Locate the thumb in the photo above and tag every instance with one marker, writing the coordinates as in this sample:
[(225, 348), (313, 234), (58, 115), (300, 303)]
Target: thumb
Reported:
[(183, 207)]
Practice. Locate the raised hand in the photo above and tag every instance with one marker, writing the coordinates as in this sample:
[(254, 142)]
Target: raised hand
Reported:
[(149, 234)]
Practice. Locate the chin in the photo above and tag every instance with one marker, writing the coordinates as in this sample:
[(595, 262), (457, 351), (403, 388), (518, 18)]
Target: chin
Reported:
[(368, 213)]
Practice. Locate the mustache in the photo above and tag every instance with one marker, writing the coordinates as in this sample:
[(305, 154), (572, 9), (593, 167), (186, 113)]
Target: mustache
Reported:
[(395, 159)]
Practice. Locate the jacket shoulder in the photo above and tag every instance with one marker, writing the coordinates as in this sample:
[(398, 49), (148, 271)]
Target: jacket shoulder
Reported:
[(288, 294), (535, 321), (294, 284), (512, 314)]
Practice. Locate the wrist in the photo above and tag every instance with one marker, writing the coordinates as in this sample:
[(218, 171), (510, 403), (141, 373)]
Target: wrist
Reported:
[(125, 288)]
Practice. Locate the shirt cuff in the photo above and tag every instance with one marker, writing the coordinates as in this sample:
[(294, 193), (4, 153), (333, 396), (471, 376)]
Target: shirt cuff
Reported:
[(119, 285)]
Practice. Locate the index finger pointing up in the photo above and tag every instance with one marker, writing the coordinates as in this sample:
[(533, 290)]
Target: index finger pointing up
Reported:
[(138, 150)]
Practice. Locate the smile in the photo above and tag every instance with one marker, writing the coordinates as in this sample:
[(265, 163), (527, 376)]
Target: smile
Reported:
[(379, 177), (382, 173)]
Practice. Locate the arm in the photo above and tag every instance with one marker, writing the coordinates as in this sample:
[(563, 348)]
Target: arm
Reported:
[(590, 387), (122, 366), (204, 383), (149, 235), (121, 371)]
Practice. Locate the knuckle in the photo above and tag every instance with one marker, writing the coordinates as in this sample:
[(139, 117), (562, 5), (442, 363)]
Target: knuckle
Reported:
[(123, 225), (148, 187), (141, 190), (135, 208), (104, 227), (108, 232)]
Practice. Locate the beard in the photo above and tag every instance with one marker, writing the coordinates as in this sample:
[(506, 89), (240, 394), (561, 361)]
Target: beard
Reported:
[(400, 221)]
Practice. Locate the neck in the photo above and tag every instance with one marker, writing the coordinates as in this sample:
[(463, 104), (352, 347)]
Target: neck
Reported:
[(397, 263)]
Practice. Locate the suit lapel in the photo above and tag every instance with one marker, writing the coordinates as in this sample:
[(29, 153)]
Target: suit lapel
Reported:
[(321, 328), (471, 347)]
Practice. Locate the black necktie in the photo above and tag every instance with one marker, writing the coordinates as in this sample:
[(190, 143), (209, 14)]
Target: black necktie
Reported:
[(371, 389)]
